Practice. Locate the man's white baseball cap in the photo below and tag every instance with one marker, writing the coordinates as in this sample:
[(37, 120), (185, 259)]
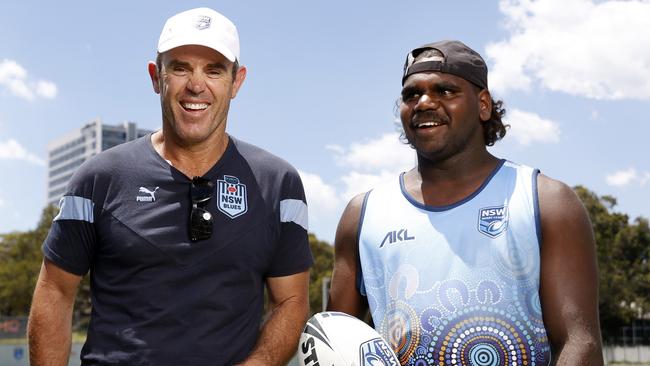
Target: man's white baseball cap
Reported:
[(204, 27)]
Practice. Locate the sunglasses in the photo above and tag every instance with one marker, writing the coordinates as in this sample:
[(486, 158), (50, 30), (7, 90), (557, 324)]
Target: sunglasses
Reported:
[(201, 191)]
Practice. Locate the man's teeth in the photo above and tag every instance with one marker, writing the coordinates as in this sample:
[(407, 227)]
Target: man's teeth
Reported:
[(195, 106), (428, 124)]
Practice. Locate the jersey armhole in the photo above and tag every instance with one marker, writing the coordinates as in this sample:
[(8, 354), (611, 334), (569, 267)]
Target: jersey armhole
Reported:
[(359, 280), (538, 218)]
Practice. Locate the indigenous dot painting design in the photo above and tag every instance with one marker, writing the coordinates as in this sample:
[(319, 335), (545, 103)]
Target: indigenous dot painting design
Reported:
[(401, 328), (533, 308), (483, 336)]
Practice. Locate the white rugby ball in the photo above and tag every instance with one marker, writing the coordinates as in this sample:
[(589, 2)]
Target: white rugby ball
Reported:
[(333, 338)]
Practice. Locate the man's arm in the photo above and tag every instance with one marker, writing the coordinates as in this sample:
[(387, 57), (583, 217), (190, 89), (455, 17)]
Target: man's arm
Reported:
[(344, 295), (50, 318), (569, 277), (289, 308)]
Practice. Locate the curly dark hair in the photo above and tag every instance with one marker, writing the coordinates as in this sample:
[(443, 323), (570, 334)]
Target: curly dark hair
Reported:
[(494, 129)]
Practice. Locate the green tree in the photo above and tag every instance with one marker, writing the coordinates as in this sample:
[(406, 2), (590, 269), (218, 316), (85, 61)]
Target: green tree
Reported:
[(323, 254), (632, 247), (20, 264), (622, 248)]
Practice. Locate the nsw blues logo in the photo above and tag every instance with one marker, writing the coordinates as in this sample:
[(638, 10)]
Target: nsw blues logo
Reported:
[(203, 22), (376, 352), (493, 221), (232, 197)]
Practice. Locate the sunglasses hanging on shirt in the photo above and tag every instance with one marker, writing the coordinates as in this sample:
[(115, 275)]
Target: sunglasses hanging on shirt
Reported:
[(201, 191)]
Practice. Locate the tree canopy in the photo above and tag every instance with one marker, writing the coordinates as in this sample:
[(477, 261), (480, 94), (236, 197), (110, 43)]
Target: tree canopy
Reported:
[(624, 276), (20, 264), (323, 254)]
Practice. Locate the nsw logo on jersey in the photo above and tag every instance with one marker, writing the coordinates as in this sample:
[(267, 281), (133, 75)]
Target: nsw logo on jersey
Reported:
[(493, 221), (376, 352), (231, 195)]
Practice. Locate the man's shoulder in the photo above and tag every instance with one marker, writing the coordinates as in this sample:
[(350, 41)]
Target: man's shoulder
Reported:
[(112, 162), (558, 202), (120, 155), (261, 159), (517, 166), (554, 189)]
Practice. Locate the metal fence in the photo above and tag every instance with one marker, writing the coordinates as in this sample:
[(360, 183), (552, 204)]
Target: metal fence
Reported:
[(639, 355)]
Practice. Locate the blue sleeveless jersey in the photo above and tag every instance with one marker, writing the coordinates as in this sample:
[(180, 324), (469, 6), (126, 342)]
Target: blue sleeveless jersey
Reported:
[(459, 284)]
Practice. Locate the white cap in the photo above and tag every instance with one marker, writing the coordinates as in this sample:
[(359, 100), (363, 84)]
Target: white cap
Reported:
[(204, 27)]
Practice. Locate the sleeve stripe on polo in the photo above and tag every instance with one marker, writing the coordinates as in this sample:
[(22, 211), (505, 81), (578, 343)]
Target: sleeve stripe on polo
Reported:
[(294, 211), (76, 208)]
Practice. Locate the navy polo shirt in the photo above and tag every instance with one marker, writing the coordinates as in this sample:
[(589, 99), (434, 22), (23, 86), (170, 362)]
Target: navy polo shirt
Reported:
[(158, 298)]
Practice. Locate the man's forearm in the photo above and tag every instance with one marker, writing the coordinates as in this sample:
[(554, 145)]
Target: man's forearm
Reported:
[(588, 353), (278, 339), (49, 328)]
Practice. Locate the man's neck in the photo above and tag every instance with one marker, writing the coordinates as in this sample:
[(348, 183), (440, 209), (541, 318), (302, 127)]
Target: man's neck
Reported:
[(191, 159), (447, 182)]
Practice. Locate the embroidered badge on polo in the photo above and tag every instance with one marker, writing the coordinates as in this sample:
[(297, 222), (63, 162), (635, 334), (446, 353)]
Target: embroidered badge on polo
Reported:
[(493, 221), (231, 194)]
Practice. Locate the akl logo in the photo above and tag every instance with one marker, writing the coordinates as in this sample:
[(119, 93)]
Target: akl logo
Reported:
[(395, 236)]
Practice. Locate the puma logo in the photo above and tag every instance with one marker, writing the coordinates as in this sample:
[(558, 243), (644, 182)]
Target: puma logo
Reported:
[(151, 195)]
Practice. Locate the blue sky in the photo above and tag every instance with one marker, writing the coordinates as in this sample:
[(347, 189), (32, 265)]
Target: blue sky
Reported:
[(322, 82)]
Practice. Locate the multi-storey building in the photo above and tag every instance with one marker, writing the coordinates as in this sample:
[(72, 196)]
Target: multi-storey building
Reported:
[(67, 153)]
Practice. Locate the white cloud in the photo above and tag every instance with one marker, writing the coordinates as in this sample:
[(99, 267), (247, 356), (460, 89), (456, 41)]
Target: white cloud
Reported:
[(622, 178), (2, 202), (356, 183), (46, 89), (12, 150), (385, 152), (336, 149), (372, 162), (528, 127), (9, 69), (20, 89), (627, 177), (594, 49), (13, 77), (368, 163), (322, 199)]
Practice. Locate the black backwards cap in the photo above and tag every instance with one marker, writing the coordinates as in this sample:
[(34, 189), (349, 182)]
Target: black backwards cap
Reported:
[(458, 59)]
